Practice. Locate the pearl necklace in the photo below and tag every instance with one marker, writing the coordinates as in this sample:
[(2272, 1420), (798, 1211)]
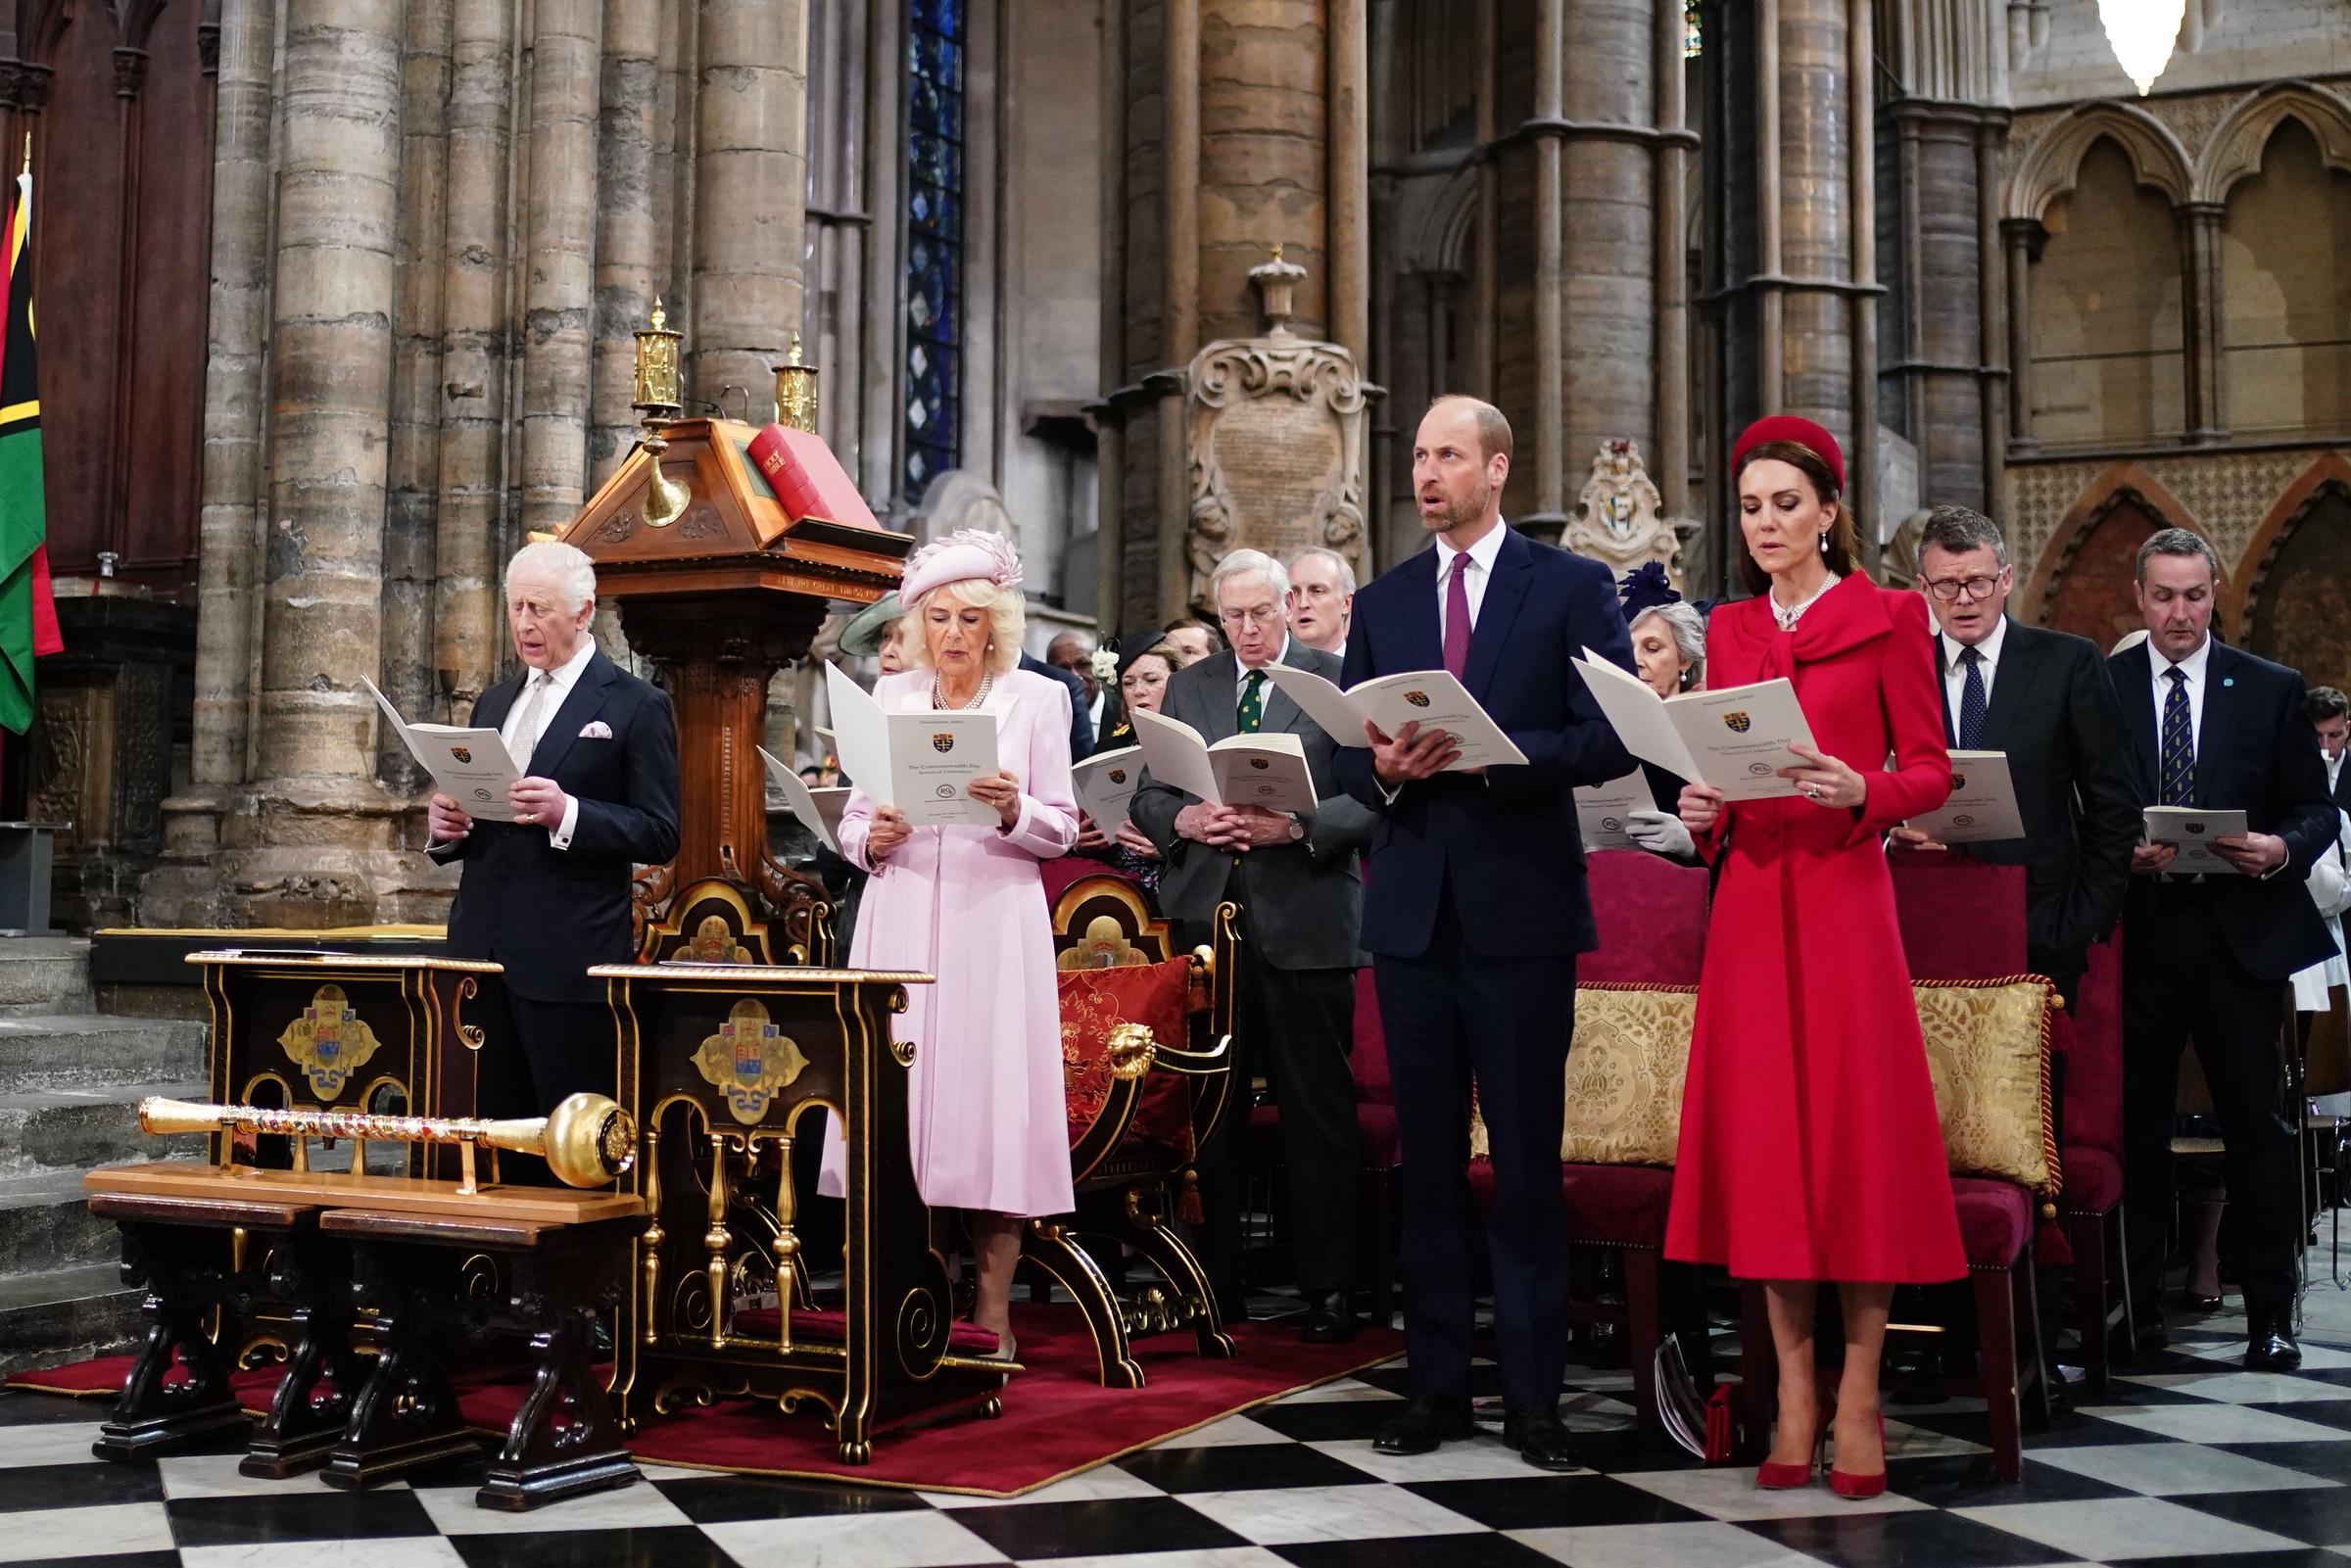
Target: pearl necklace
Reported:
[(1789, 615), (938, 700)]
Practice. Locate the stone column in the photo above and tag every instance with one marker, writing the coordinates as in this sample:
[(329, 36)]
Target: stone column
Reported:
[(475, 356), (1992, 134), (1942, 367), (750, 180), (2200, 240), (561, 219), (1676, 147), (337, 228), (1350, 177), (1110, 448), (1794, 228), (627, 248), (1182, 175), (235, 396), (2024, 237), (414, 465)]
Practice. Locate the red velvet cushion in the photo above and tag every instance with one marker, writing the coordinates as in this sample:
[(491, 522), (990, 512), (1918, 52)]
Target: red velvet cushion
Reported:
[(1623, 1206), (1368, 1061), (1375, 1126), (1651, 919), (1995, 1220), (1096, 1001), (2093, 1067), (2093, 1179), (1961, 918)]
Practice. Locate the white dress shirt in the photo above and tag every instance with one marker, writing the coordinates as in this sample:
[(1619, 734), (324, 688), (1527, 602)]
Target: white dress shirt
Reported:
[(1481, 570), (2192, 666), (1241, 672), (1954, 673), (559, 685)]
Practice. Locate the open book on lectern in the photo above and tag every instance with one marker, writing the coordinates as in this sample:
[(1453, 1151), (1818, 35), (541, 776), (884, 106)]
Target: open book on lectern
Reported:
[(1736, 739)]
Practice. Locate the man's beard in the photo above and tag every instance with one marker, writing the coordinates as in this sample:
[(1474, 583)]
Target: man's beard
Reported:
[(1455, 514)]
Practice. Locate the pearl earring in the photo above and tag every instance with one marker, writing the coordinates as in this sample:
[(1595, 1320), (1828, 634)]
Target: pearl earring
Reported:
[(1824, 544)]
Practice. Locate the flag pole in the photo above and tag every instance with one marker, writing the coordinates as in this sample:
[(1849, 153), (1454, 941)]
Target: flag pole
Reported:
[(28, 152)]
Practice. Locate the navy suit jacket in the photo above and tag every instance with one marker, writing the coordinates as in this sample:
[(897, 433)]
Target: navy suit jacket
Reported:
[(1504, 845), (2256, 752), (547, 914), (1082, 723)]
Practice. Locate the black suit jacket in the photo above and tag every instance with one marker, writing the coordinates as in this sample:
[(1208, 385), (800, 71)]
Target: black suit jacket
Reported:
[(2257, 753), (547, 914), (1503, 844), (1082, 723), (2053, 711), (1304, 900)]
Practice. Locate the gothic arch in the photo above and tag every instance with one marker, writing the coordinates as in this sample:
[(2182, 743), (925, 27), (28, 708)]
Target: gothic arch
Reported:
[(41, 25), (2052, 164), (2329, 473), (2123, 483), (1447, 223), (2235, 148)]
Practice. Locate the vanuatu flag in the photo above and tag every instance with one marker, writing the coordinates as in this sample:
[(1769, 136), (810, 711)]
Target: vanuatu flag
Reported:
[(27, 616)]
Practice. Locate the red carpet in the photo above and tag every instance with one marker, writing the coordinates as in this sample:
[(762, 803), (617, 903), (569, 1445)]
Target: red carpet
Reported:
[(1057, 1419)]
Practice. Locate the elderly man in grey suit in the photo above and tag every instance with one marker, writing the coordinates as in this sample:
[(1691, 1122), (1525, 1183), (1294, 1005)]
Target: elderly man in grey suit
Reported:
[(1298, 882)]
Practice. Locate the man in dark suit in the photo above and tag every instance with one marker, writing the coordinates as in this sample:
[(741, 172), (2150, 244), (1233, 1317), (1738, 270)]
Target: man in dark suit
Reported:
[(1082, 724), (1477, 911), (547, 894), (1295, 876), (2207, 957), (2044, 698)]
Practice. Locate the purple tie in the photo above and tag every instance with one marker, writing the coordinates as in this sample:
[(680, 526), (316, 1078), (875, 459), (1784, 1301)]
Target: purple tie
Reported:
[(1457, 618)]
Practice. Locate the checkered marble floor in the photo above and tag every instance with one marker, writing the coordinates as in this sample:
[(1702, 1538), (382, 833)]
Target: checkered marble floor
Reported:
[(2189, 1460)]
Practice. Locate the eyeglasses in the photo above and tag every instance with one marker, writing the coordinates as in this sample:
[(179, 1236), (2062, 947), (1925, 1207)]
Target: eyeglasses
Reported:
[(1263, 615), (1948, 588)]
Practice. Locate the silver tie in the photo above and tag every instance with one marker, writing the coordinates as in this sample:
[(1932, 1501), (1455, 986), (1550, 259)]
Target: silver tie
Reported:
[(526, 730)]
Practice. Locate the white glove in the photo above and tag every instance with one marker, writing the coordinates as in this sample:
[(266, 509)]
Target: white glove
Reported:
[(1660, 833)]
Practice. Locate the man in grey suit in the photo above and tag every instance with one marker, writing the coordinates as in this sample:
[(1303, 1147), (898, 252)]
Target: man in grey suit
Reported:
[(1298, 882)]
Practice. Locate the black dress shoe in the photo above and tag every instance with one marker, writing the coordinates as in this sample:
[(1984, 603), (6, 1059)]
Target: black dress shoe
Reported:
[(1426, 1420), (1540, 1437), (2271, 1347), (1327, 1319)]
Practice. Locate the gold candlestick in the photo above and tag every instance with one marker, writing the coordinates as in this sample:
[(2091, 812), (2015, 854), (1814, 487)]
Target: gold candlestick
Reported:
[(795, 390), (659, 399)]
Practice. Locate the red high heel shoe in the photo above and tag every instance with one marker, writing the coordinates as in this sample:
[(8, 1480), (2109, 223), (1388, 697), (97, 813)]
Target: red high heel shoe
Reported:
[(1860, 1488), (1771, 1477)]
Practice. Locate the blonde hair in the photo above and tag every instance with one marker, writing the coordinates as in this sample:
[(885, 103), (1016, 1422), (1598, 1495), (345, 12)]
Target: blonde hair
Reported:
[(1007, 620)]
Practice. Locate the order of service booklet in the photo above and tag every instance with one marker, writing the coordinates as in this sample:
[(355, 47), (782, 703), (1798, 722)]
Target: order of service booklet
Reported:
[(1106, 782), (922, 763), (1736, 739), (1982, 809), (1601, 810), (471, 767), (1430, 699), (819, 810), (2191, 830), (1268, 770)]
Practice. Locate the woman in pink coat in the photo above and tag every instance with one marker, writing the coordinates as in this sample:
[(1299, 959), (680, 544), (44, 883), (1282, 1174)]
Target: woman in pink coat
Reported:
[(966, 904)]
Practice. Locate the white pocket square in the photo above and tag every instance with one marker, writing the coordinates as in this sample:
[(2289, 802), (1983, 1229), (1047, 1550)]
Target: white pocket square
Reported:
[(597, 730)]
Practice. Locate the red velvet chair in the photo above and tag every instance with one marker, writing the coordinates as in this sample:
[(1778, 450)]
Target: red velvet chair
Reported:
[(2092, 1159), (1961, 919)]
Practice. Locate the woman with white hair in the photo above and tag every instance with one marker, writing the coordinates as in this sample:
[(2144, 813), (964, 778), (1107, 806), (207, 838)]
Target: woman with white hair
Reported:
[(966, 905), (1669, 655)]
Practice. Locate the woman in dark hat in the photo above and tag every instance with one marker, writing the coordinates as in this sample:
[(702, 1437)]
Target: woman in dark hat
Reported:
[(1810, 1149), (1145, 661)]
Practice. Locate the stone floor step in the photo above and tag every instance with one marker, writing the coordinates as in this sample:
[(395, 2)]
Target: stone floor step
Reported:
[(50, 1132), (88, 1051), (44, 974), (45, 1222), (65, 1315)]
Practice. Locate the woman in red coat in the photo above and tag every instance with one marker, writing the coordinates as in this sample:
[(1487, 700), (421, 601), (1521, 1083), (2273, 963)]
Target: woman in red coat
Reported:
[(1809, 1146)]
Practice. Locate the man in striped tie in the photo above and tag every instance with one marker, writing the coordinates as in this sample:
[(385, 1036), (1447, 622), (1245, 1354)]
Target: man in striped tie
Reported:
[(2207, 957)]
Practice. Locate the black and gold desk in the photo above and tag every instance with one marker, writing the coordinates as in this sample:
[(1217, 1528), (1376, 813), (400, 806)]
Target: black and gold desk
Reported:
[(725, 1066)]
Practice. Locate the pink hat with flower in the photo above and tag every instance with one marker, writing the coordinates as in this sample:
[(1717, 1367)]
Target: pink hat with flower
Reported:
[(966, 555)]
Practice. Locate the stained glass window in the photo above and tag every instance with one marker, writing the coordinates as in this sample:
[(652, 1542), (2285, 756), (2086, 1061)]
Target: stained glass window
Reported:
[(934, 40), (1692, 39)]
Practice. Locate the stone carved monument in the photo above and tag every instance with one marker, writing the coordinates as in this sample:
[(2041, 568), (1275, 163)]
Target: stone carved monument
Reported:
[(1619, 517), (1275, 430)]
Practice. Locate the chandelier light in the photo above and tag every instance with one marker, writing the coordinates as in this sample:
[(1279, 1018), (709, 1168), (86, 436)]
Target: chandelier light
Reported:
[(2143, 32)]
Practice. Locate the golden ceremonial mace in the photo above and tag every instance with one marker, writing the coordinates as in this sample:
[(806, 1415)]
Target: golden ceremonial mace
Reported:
[(589, 1142)]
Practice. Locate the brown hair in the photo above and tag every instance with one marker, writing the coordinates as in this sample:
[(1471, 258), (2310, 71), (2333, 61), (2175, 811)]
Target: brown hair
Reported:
[(1805, 460), (1493, 430)]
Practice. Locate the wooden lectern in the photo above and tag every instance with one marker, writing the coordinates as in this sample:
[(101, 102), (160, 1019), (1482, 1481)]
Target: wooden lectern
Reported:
[(721, 584)]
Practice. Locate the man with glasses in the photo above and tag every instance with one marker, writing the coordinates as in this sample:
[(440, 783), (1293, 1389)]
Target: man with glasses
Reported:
[(2045, 699), (1295, 876)]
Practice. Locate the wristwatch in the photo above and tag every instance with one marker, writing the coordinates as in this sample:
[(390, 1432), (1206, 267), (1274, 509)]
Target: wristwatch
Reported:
[(1297, 828)]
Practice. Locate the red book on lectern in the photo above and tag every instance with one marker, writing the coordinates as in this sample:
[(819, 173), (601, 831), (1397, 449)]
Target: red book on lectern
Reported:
[(807, 479)]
